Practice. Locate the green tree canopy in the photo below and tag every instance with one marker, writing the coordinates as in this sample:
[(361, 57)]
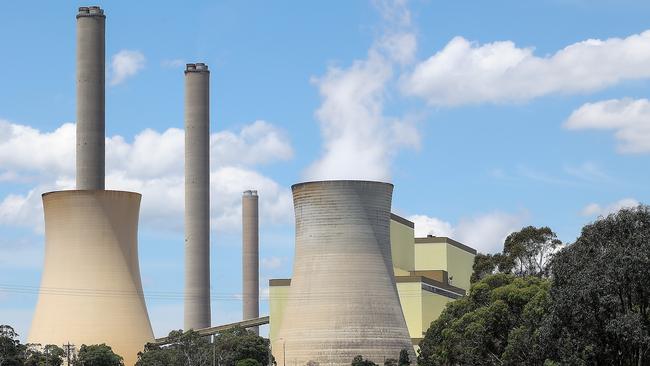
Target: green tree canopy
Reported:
[(480, 329), (601, 293), (190, 349), (11, 351), (525, 253), (238, 344), (360, 361), (248, 362), (97, 355), (404, 359), (50, 355)]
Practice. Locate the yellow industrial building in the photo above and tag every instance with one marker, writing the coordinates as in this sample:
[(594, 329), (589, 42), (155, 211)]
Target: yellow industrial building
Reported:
[(429, 272)]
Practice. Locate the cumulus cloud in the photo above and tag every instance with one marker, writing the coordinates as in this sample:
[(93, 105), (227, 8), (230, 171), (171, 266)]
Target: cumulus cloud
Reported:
[(29, 150), (594, 209), (359, 140), (130, 166), (126, 64), (629, 118), (465, 72), (485, 233)]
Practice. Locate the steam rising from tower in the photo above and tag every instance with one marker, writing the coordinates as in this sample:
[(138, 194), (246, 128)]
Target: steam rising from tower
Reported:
[(91, 23), (197, 196), (250, 256)]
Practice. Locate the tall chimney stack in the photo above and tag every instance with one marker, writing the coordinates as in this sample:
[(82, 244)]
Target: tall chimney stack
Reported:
[(250, 256), (197, 196), (91, 23)]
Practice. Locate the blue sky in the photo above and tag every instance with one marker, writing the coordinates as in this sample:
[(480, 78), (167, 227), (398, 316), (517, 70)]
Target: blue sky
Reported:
[(486, 119)]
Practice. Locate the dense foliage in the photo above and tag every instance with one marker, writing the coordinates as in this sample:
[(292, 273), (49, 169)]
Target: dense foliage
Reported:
[(586, 304), (97, 355), (601, 293), (477, 329), (13, 353), (230, 348), (525, 253)]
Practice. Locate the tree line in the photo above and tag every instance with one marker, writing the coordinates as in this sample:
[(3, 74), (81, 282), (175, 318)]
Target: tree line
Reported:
[(540, 302), (235, 347)]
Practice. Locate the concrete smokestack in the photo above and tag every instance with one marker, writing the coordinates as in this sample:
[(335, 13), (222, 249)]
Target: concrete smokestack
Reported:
[(250, 256), (197, 196), (91, 23)]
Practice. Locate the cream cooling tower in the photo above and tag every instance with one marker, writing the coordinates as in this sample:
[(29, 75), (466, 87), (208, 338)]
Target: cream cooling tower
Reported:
[(90, 286), (343, 300)]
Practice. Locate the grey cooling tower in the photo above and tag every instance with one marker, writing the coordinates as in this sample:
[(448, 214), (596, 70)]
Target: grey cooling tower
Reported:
[(250, 257), (197, 196), (343, 300), (90, 97)]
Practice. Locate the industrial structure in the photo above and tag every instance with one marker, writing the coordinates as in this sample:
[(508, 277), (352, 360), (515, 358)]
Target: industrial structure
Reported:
[(362, 283), (429, 273), (250, 257), (342, 300), (197, 196), (91, 290)]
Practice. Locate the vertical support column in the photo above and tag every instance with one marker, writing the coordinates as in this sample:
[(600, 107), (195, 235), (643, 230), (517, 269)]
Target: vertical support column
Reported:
[(250, 256), (91, 23), (197, 196)]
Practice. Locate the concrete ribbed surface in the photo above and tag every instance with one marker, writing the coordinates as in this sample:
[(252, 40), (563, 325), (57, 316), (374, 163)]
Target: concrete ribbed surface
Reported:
[(343, 300)]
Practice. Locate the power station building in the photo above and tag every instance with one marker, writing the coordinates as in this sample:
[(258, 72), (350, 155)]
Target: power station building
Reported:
[(429, 273)]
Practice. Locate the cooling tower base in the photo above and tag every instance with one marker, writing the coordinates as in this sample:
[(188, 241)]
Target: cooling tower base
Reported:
[(91, 291)]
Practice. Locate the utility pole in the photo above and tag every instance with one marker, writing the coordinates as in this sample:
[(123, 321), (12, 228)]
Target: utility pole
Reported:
[(214, 350), (68, 350)]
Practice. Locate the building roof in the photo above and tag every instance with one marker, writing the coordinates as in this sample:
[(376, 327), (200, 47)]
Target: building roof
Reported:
[(444, 239), (402, 220)]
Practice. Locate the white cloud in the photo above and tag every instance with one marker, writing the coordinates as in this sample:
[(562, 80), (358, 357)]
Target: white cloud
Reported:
[(465, 72), (130, 166), (630, 118), (425, 225), (485, 233), (359, 140), (30, 150), (257, 143), (594, 209), (125, 64), (271, 263)]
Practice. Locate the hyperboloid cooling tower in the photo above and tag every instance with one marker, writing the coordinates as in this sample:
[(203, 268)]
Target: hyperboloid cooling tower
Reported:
[(343, 300), (197, 196), (250, 257), (90, 287)]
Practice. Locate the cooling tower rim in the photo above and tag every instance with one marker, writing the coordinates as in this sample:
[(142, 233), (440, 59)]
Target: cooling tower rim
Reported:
[(339, 182), (68, 192)]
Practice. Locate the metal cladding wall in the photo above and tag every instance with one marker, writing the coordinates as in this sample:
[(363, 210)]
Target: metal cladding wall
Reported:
[(197, 196), (250, 257), (90, 97), (90, 287), (342, 301)]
